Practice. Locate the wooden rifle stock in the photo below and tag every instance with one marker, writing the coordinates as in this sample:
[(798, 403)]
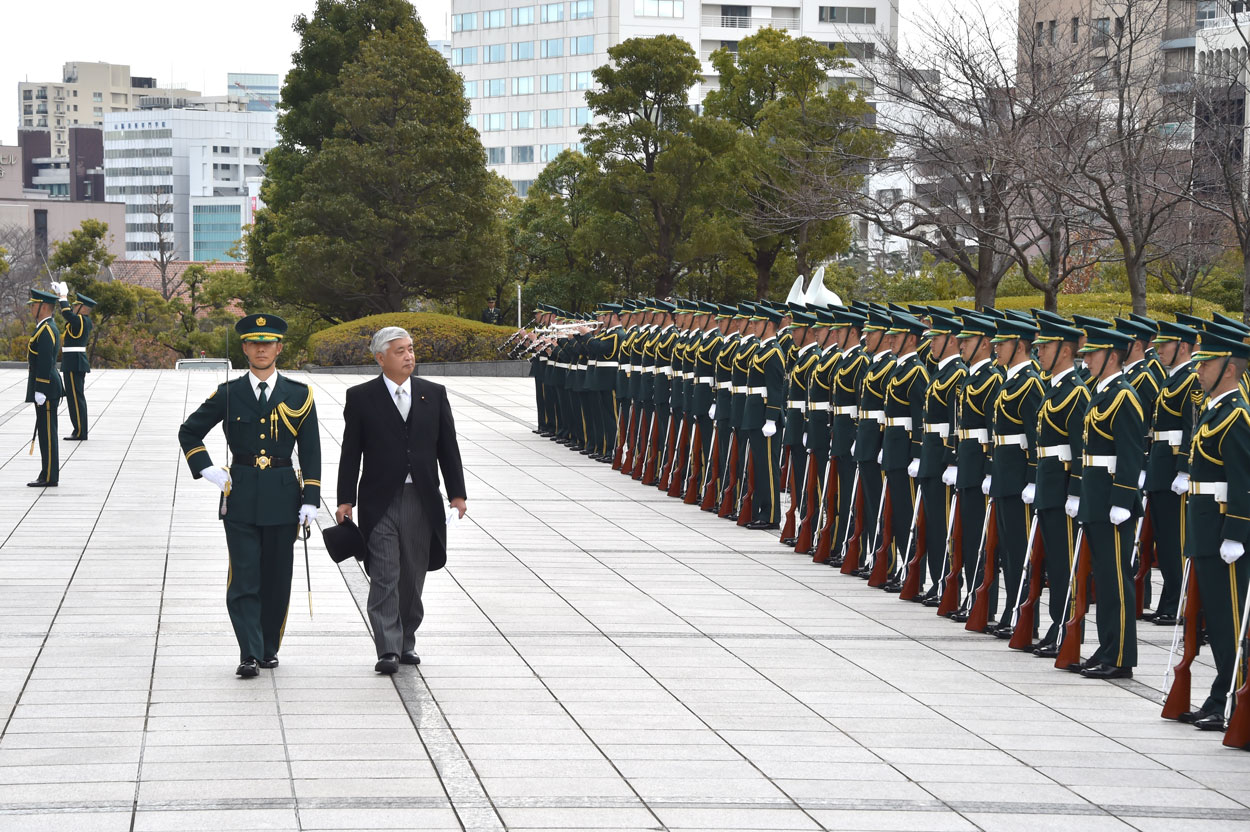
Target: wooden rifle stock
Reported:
[(622, 437), (1145, 559), (784, 470), (729, 490), (676, 450), (811, 485), (955, 569), (881, 557), (747, 507), (707, 500), (1178, 696), (1070, 633), (854, 545), (979, 615), (1237, 735), (632, 459), (1026, 615), (824, 538), (651, 460), (915, 574), (788, 526), (694, 470)]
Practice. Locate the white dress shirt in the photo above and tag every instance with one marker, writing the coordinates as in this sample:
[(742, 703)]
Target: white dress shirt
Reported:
[(271, 381), (394, 388)]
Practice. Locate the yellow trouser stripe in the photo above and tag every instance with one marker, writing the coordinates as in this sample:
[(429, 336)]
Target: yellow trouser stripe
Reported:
[(772, 487), (47, 409), (1119, 579), (74, 398)]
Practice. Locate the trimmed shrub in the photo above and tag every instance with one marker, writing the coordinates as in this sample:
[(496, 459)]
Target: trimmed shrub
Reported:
[(1106, 305), (434, 338)]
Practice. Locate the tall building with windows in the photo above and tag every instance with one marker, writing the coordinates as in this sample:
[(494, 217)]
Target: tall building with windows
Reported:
[(189, 177), (527, 67), (260, 91)]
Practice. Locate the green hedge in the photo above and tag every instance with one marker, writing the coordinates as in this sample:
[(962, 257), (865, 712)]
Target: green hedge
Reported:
[(1106, 305), (434, 338)]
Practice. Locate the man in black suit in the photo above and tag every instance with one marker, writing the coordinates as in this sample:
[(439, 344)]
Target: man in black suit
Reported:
[(403, 428)]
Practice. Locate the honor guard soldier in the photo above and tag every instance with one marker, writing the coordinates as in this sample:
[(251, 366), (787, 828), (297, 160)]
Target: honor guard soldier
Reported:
[(1114, 440), (794, 431), (903, 434), (748, 343), (761, 413), (266, 416), (1167, 461), (844, 392), (1218, 511), (721, 410), (703, 398), (74, 363), (43, 385), (868, 426)]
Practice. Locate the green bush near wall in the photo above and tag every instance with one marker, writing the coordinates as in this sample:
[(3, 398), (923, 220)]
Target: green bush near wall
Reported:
[(1106, 305), (434, 338)]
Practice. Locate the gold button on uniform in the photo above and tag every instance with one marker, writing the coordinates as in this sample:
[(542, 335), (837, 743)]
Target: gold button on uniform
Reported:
[(262, 436)]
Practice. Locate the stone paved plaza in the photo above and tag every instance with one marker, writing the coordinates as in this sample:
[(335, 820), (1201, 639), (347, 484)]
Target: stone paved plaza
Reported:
[(596, 656)]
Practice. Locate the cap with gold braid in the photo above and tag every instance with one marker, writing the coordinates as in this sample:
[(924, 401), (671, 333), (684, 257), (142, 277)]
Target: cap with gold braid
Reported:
[(41, 296), (1101, 338), (261, 328), (1212, 345)]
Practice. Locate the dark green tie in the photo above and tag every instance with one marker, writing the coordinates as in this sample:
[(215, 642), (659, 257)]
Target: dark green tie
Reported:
[(264, 400)]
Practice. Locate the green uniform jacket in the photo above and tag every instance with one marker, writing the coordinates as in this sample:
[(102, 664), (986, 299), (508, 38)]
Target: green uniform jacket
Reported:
[(1145, 380), (974, 410), (1015, 415), (73, 348), (797, 385), (1113, 428), (904, 413), (872, 407), (768, 373), (743, 355), (1220, 452), (705, 353), (819, 396), (42, 376), (848, 382), (725, 375), (664, 344), (1060, 433), (269, 496), (937, 451), (1173, 427)]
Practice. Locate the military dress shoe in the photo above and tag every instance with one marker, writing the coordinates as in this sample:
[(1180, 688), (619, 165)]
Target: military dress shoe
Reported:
[(1163, 620), (762, 525), (928, 596), (248, 668), (388, 663), (1081, 667), (1107, 671), (1046, 651), (1211, 722), (788, 541), (73, 438), (409, 657), (932, 601), (1190, 717), (40, 484), (892, 586), (1003, 631), (269, 662)]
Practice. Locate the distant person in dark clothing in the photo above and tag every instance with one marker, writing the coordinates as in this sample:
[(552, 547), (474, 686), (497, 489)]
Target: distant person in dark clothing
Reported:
[(491, 314)]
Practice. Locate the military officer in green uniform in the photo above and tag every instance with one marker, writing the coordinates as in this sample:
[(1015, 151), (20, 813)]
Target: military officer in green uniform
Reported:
[(74, 363), (263, 502), (1218, 511), (764, 397), (43, 385), (903, 435)]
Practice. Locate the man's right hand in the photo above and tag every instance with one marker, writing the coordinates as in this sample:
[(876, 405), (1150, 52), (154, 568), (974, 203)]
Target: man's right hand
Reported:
[(343, 511), (219, 477)]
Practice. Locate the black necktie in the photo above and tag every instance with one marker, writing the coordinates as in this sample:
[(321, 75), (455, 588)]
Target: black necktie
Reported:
[(263, 399)]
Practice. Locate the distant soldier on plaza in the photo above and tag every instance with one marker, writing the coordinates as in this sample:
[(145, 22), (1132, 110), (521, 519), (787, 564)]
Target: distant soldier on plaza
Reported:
[(492, 314), (43, 385), (74, 363)]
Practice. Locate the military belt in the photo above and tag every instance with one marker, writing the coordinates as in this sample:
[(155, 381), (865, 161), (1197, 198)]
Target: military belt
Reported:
[(1063, 452), (649, 370), (898, 422), (705, 380), (724, 385), (1172, 437), (875, 415), (812, 407), (73, 349), (1017, 439), (845, 410), (664, 371), (797, 404), (1098, 461), (981, 435), (942, 429), (1218, 490), (261, 461), (755, 391)]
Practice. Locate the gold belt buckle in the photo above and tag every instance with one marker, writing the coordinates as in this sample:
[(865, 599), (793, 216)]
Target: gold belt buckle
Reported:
[(262, 462)]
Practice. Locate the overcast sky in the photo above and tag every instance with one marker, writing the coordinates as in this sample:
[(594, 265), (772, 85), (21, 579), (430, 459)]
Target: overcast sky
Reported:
[(191, 43)]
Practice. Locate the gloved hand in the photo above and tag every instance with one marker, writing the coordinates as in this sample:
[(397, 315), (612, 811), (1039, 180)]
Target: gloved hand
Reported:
[(880, 456), (852, 447), (985, 485), (1231, 550), (770, 428), (1118, 515), (949, 475), (307, 514), (711, 412), (61, 289), (805, 439), (40, 398), (913, 468), (1180, 485), (1029, 494), (1072, 506), (219, 477), (1141, 480)]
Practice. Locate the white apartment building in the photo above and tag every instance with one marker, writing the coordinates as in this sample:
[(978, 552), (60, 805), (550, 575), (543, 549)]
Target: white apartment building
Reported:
[(86, 93), (526, 67), (201, 167)]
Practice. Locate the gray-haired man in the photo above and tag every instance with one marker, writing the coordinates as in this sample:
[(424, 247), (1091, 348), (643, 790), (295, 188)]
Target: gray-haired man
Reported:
[(402, 427)]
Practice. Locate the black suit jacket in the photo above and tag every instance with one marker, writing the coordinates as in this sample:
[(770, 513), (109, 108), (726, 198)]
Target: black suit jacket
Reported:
[(391, 448)]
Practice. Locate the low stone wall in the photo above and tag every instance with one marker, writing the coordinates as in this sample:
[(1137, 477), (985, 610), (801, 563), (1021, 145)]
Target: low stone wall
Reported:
[(497, 369)]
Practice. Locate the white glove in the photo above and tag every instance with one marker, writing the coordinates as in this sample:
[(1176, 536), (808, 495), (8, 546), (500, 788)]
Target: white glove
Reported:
[(711, 412), (949, 475), (1180, 485), (1231, 550), (913, 468), (1029, 494), (880, 456), (40, 398), (1072, 506), (804, 439), (219, 477), (61, 289), (1118, 515), (985, 485), (852, 447), (769, 429), (1141, 480), (307, 515)]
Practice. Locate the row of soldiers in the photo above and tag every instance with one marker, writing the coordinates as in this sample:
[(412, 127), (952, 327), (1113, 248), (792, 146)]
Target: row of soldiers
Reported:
[(962, 459)]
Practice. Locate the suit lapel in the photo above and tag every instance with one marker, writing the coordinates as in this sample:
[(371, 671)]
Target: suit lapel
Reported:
[(244, 398), (386, 402)]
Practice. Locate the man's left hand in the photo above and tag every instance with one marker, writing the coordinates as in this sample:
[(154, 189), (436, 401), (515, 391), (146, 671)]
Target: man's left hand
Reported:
[(307, 515), (1232, 550), (459, 505)]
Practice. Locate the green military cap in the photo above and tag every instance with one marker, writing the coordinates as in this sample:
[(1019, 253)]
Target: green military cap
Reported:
[(993, 314), (1011, 327), (877, 321), (960, 311), (922, 311), (1053, 317), (1085, 322), (724, 310), (1050, 330), (906, 323), (804, 319), (609, 308), (977, 326), (824, 317), (848, 317), (1138, 330), (1169, 331), (1213, 345), (42, 296), (261, 327), (665, 306), (1102, 338), (1149, 323), (796, 307), (1191, 321), (1229, 324), (770, 314), (1018, 315), (944, 323), (1217, 328), (90, 303)]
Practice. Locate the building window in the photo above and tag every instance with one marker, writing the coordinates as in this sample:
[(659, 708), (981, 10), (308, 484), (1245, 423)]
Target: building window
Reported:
[(1102, 31), (580, 80), (583, 45), (582, 9), (848, 14), (466, 56), (495, 54), (552, 48), (493, 122), (552, 118), (523, 154), (523, 51), (495, 87), (464, 22), (1076, 29), (522, 186), (494, 20), (552, 12), (579, 116), (97, 97), (470, 89), (495, 155), (550, 152), (474, 120), (855, 50), (660, 8), (553, 83), (523, 86), (523, 120), (523, 16)]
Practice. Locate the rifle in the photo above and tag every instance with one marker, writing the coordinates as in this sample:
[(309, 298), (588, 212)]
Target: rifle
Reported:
[(1143, 555), (954, 561), (631, 439), (674, 448), (979, 614), (829, 508), (784, 470), (711, 474), (1024, 617), (1237, 734), (812, 504), (788, 531), (694, 470), (746, 507), (913, 574), (965, 603), (1176, 702), (885, 539), (646, 471), (852, 546), (729, 488), (1078, 591), (622, 437)]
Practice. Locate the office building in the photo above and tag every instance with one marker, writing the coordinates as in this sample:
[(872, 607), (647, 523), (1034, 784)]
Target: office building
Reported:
[(259, 91), (442, 47), (77, 176), (526, 67), (86, 93)]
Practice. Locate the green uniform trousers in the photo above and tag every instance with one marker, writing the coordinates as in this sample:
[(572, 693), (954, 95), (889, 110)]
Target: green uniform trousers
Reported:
[(49, 442), (1058, 533), (1223, 590), (1111, 564), (766, 459), (902, 501), (1167, 511), (258, 590), (1012, 516), (937, 510), (76, 401)]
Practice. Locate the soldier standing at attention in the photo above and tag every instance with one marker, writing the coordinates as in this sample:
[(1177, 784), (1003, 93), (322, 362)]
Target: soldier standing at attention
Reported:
[(74, 363), (43, 385), (263, 502)]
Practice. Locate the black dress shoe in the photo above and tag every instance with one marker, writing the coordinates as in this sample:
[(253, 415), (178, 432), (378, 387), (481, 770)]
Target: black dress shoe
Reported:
[(1190, 717), (762, 525), (1163, 620), (920, 599), (409, 657), (1046, 651), (40, 484), (248, 668), (1107, 671), (836, 563), (788, 541), (733, 517), (269, 662), (388, 663), (892, 586), (959, 616), (934, 601), (73, 438), (1211, 722), (1003, 631)]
